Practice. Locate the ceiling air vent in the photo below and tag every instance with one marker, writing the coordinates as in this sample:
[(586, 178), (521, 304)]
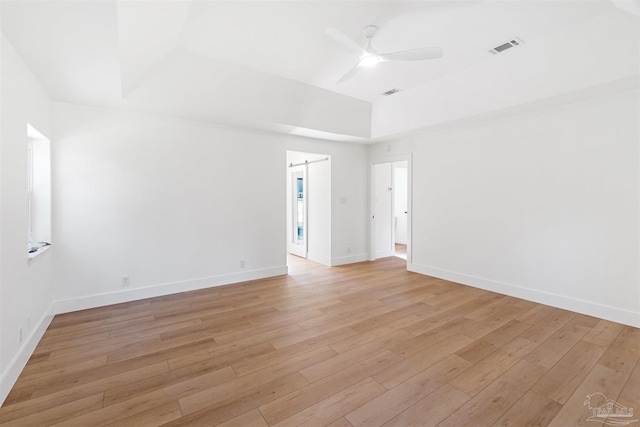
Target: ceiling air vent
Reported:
[(390, 92), (506, 45)]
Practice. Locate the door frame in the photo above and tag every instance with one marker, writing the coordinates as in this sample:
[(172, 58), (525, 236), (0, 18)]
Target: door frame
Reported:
[(372, 232)]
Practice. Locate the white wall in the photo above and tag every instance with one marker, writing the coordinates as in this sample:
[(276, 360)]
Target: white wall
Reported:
[(160, 201), (25, 288), (542, 205), (173, 204), (350, 204)]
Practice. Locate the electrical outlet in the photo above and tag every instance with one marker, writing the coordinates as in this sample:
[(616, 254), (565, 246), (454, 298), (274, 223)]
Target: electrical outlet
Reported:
[(242, 263), (348, 249), (126, 280), (20, 334)]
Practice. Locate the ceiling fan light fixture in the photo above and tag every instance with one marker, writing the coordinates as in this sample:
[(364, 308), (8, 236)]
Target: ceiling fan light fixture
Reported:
[(369, 56), (370, 60)]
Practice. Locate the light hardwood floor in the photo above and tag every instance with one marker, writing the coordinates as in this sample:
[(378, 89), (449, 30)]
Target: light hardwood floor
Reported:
[(365, 344), (401, 251)]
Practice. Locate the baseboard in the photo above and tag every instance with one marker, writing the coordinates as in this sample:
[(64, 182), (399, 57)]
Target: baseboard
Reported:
[(319, 258), (11, 374), (351, 259), (384, 254), (99, 300), (578, 305)]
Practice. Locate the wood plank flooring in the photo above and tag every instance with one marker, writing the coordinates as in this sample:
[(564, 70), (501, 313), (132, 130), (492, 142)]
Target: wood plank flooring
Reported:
[(367, 344)]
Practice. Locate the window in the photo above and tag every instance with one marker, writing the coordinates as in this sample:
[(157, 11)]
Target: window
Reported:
[(38, 191)]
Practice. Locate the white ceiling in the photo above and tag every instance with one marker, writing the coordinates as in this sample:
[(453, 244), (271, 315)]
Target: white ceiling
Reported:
[(287, 38), (268, 63)]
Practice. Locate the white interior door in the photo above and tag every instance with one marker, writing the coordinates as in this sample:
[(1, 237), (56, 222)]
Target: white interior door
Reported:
[(298, 223), (383, 210)]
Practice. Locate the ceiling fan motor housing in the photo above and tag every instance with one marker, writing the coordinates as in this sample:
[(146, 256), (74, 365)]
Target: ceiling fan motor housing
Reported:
[(369, 31)]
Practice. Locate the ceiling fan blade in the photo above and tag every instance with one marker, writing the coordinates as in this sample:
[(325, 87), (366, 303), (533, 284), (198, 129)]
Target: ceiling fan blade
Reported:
[(352, 72), (419, 54), (341, 38)]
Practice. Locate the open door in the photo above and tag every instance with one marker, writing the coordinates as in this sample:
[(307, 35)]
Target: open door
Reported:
[(297, 244)]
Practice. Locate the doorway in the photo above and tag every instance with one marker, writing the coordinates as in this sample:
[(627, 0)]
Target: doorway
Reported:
[(391, 225), (297, 244), (309, 206)]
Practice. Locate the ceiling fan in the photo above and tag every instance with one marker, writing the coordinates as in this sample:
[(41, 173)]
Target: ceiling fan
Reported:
[(370, 56)]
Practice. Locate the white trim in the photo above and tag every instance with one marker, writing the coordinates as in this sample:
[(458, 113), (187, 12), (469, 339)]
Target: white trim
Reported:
[(589, 308), (384, 254), (19, 361), (390, 158), (351, 259), (34, 255), (100, 300), (319, 258)]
